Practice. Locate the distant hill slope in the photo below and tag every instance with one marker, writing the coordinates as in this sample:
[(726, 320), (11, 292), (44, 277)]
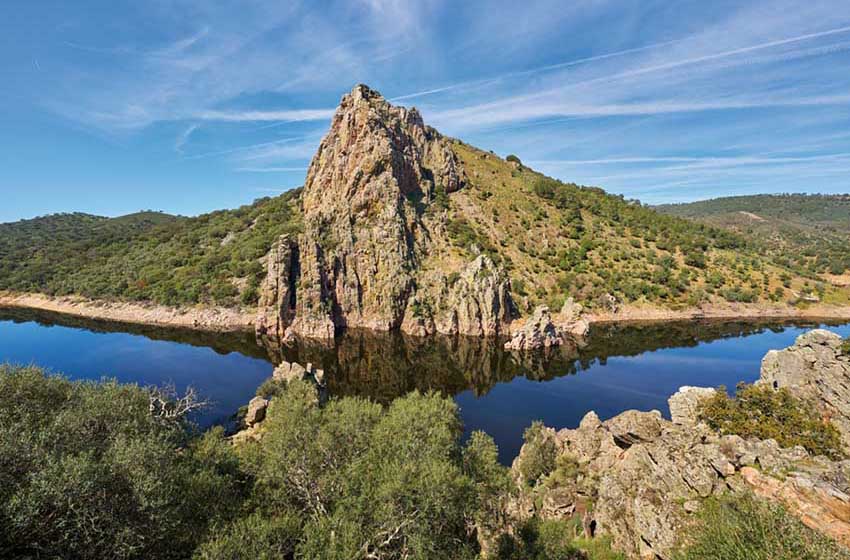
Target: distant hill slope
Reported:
[(147, 256), (400, 227), (808, 233)]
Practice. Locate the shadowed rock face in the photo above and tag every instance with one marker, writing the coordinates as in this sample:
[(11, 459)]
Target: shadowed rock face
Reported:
[(366, 233)]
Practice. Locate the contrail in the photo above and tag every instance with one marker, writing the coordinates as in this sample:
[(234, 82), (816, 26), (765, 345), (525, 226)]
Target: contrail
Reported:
[(534, 70)]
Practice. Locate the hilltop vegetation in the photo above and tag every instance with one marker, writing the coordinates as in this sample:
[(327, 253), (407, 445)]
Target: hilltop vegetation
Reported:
[(211, 259), (560, 239), (807, 233)]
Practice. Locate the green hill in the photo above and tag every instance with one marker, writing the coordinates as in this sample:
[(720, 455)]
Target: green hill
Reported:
[(807, 233), (146, 256)]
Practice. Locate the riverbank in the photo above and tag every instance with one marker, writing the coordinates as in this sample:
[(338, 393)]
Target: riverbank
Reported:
[(221, 319), (211, 319), (731, 311)]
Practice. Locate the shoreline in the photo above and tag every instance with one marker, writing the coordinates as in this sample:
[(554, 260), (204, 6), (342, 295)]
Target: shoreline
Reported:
[(734, 311), (209, 319), (224, 320)]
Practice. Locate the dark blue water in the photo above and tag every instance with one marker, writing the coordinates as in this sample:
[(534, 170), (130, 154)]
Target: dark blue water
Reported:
[(501, 393)]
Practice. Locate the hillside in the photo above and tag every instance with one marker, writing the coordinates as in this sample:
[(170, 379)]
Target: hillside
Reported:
[(146, 256), (808, 233), (399, 227)]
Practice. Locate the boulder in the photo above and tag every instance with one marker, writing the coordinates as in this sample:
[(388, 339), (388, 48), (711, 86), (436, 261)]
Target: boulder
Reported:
[(814, 369), (538, 332), (287, 372), (256, 411), (684, 404)]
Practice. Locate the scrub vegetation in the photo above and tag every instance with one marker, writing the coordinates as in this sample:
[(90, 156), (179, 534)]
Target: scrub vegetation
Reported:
[(762, 412), (148, 257)]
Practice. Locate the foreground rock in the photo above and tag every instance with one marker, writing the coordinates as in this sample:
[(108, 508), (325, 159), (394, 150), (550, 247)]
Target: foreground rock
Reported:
[(290, 371), (684, 404), (814, 369), (256, 411), (639, 479)]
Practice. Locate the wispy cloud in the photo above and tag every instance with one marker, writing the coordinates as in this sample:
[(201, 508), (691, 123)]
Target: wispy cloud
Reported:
[(183, 138), (293, 115), (269, 169)]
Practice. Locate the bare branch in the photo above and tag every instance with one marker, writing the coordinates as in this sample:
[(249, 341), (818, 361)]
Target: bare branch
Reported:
[(167, 405)]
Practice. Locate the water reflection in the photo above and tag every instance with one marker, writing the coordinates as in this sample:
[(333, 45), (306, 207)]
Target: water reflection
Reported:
[(384, 366)]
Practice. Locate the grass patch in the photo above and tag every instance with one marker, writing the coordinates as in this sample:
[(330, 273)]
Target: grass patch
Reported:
[(743, 528)]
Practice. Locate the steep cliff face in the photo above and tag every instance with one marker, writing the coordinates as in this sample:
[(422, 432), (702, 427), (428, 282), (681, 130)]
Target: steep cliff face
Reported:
[(369, 223)]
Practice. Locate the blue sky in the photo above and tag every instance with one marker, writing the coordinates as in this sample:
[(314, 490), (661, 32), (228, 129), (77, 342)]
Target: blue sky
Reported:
[(189, 106)]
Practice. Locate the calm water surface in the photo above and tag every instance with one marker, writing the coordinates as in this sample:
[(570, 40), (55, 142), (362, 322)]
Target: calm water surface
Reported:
[(501, 393)]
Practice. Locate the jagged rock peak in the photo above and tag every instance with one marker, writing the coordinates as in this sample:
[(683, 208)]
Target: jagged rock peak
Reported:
[(367, 230)]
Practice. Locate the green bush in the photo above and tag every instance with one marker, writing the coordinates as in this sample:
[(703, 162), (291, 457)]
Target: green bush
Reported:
[(539, 454), (86, 471), (369, 481), (845, 346), (255, 537), (552, 539), (762, 412), (743, 528), (513, 159)]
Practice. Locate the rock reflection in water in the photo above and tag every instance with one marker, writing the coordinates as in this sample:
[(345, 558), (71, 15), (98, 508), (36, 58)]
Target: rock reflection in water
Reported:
[(384, 366)]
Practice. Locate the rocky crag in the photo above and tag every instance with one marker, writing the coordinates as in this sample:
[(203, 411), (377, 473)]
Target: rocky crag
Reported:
[(373, 230), (640, 478), (817, 370)]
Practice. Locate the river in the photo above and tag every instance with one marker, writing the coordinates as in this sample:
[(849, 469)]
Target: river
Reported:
[(619, 368)]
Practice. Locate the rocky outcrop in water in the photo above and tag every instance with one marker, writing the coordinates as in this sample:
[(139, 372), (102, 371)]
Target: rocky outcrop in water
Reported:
[(538, 332), (278, 291), (367, 231), (814, 369)]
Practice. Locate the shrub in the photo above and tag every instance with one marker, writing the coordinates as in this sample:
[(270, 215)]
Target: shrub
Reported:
[(845, 346), (257, 537), (369, 481), (759, 411), (513, 159), (742, 528), (86, 471), (539, 454), (552, 539)]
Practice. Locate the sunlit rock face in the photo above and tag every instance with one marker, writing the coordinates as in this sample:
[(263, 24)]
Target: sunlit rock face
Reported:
[(369, 226), (817, 370)]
